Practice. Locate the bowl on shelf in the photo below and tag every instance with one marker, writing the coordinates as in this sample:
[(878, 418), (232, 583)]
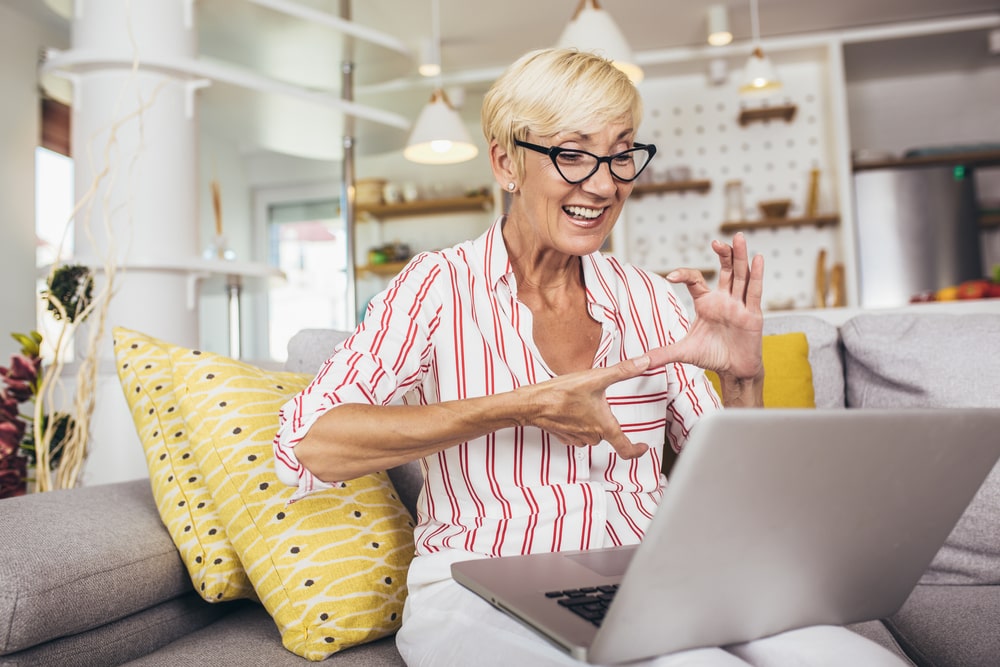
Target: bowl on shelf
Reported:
[(774, 208)]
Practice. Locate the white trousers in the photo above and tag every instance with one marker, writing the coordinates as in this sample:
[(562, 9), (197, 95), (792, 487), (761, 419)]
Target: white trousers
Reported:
[(445, 625)]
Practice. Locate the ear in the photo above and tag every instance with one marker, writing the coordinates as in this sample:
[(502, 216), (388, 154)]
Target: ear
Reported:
[(502, 164)]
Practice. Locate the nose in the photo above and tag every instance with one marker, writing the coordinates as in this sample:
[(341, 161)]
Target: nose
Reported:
[(602, 182)]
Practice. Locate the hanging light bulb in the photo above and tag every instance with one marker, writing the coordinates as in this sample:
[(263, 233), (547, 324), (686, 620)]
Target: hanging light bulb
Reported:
[(759, 75), (593, 29), (439, 135)]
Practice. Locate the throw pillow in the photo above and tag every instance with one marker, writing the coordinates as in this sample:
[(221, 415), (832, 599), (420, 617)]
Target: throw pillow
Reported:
[(329, 568), (788, 381), (182, 498)]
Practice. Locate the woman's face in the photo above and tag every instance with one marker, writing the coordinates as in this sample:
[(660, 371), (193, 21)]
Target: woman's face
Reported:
[(574, 219)]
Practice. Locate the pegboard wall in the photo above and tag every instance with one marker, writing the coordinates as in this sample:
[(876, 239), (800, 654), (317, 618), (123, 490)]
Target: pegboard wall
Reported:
[(696, 125)]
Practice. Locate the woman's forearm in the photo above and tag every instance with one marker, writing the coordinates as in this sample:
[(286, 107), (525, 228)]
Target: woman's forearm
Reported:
[(353, 440)]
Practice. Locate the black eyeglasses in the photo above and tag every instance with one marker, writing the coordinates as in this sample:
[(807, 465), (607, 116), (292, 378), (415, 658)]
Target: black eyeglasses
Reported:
[(576, 166)]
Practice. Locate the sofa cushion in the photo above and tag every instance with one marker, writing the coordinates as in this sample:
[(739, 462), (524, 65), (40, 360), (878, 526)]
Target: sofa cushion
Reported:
[(248, 637), (309, 348), (123, 561), (931, 359), (788, 381), (182, 497), (950, 626), (125, 639), (329, 568), (825, 359)]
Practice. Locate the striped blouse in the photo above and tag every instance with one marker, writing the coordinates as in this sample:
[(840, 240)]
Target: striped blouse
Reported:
[(450, 327)]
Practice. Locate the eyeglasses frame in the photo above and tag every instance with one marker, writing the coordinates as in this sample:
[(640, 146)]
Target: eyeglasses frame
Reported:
[(554, 151)]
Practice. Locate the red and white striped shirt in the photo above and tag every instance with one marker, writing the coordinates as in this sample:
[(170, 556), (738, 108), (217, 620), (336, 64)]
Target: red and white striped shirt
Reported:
[(450, 327)]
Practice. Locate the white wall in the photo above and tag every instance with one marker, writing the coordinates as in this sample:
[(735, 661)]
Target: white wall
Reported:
[(20, 43), (946, 108)]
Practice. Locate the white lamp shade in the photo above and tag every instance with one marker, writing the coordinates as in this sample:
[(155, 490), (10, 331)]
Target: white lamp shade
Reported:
[(593, 29), (439, 136), (759, 75)]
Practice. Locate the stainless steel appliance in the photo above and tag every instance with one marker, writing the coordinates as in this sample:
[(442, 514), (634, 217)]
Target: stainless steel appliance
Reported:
[(917, 231)]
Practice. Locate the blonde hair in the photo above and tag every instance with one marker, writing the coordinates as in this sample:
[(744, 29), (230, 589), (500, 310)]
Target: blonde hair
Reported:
[(556, 90)]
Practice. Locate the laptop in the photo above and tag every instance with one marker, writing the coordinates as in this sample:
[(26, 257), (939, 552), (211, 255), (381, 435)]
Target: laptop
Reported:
[(772, 520)]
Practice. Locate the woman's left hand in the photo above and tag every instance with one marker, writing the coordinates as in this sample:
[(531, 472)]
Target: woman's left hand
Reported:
[(726, 333)]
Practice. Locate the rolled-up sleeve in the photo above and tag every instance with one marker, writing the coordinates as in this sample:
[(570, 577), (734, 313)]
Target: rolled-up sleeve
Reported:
[(377, 365)]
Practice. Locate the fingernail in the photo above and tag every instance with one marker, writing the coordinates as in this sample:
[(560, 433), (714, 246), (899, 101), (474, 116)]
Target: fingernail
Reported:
[(673, 275)]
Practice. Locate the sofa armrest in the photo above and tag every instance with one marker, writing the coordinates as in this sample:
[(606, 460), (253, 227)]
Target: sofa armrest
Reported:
[(74, 560)]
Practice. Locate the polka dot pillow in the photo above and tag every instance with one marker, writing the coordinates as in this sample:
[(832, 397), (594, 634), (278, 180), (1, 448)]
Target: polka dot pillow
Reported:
[(182, 497), (330, 568)]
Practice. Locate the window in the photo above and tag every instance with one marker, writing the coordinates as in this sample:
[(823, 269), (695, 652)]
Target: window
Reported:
[(308, 242), (54, 202)]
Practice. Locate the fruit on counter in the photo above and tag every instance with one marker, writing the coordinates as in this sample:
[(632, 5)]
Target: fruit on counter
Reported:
[(947, 293), (973, 289)]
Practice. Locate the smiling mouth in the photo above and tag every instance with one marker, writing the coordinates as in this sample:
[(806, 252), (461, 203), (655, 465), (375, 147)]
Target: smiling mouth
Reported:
[(583, 212)]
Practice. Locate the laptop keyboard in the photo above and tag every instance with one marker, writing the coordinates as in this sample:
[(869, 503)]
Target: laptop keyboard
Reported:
[(590, 603)]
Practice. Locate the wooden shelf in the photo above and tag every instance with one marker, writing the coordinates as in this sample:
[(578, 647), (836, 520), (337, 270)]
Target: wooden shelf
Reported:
[(701, 186), (386, 269), (785, 112), (776, 223), (471, 204), (989, 220), (968, 158)]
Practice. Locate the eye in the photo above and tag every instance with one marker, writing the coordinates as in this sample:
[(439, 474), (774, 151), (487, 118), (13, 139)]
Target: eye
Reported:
[(623, 158), (571, 157)]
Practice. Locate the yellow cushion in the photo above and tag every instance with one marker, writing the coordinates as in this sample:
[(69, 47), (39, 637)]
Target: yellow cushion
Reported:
[(182, 498), (330, 568), (788, 381)]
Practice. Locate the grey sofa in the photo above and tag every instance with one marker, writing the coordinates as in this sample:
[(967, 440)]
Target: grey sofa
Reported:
[(91, 577)]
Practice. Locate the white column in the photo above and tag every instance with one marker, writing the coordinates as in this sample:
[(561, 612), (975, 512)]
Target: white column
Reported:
[(144, 211), (135, 150)]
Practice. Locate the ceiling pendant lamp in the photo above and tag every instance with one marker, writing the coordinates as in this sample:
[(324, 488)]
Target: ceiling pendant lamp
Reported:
[(593, 29), (759, 75), (439, 135), (718, 26)]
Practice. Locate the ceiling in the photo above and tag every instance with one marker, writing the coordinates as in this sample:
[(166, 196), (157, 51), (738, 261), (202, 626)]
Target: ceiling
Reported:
[(479, 38)]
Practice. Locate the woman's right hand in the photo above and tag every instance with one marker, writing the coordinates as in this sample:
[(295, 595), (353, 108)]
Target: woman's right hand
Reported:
[(574, 408)]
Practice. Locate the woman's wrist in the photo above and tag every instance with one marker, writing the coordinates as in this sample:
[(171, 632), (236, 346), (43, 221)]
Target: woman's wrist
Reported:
[(745, 392)]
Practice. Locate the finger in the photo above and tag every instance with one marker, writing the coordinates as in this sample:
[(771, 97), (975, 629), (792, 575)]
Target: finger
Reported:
[(692, 279), (625, 448), (755, 288), (661, 356), (741, 265), (624, 370), (725, 254)]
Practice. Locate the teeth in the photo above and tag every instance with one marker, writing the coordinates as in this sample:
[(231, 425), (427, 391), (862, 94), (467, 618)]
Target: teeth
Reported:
[(581, 212)]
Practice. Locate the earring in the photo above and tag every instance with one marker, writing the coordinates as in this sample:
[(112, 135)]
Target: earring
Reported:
[(511, 186)]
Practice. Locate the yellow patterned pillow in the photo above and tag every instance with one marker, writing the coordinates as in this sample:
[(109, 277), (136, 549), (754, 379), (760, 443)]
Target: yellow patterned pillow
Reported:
[(182, 498), (788, 381), (330, 568)]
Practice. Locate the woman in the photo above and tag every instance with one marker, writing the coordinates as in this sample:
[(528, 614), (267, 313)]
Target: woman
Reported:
[(539, 376)]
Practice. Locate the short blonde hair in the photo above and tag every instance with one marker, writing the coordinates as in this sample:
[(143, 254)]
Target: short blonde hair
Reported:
[(556, 90)]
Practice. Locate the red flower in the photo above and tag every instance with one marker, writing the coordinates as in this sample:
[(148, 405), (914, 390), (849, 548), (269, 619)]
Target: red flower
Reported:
[(13, 476), (8, 408), (11, 434)]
